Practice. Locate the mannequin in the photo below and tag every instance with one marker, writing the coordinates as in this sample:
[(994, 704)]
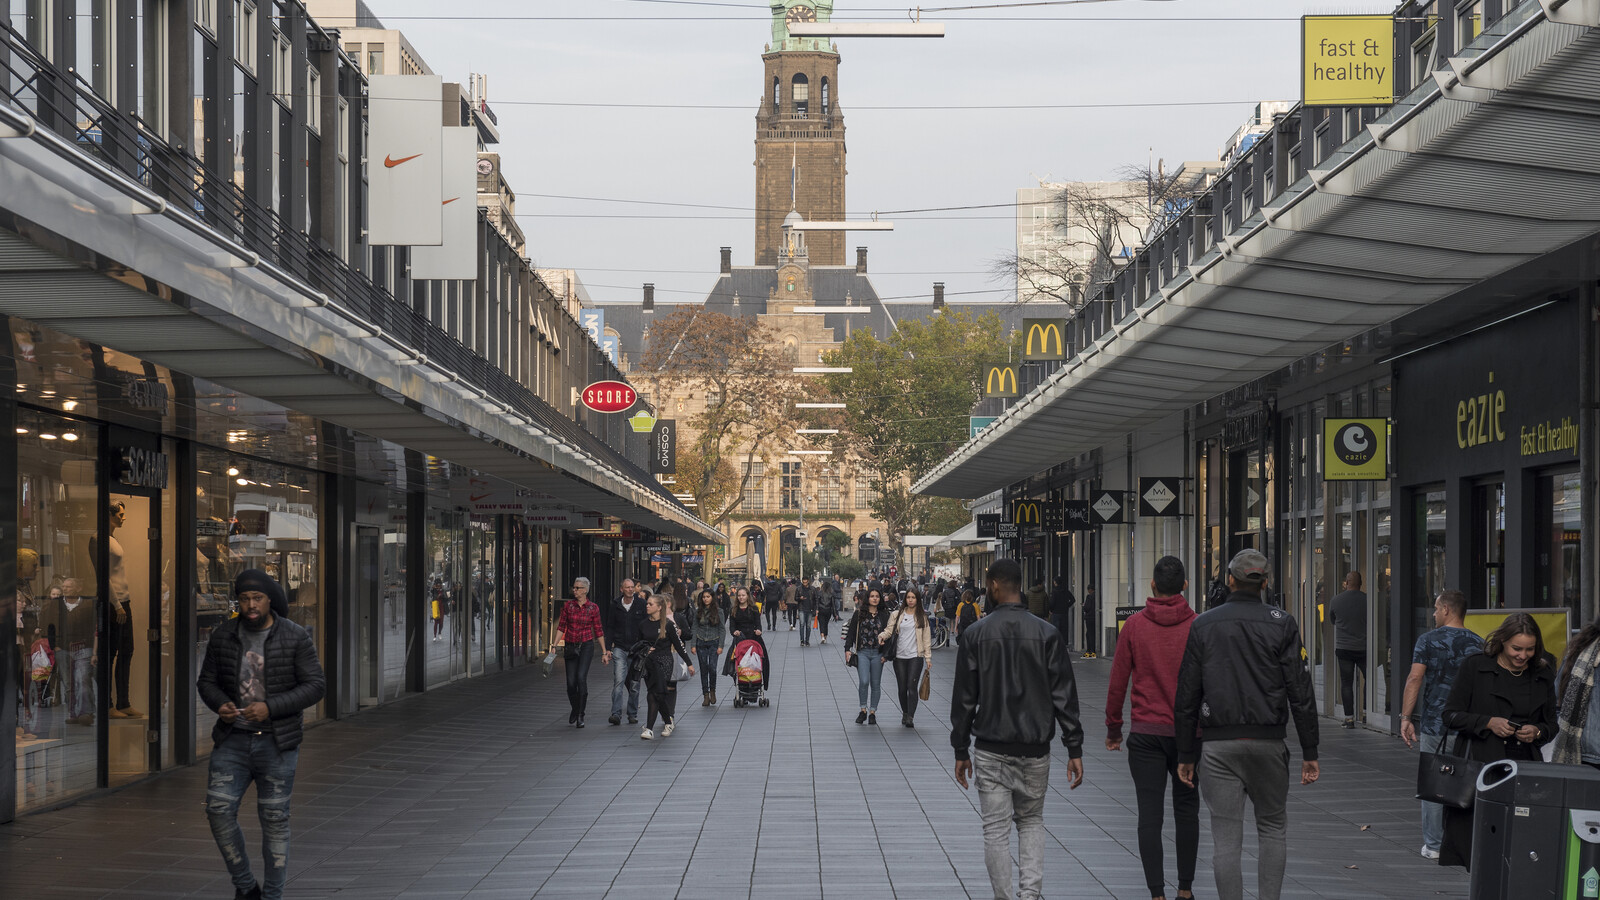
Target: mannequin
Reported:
[(27, 628), (121, 619)]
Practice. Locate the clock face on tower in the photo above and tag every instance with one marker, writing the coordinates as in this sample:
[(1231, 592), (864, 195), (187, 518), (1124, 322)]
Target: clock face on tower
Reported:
[(801, 14)]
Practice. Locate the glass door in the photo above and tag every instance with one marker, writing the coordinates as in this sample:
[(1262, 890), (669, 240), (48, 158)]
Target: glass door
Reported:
[(369, 605), (1488, 546), (132, 602)]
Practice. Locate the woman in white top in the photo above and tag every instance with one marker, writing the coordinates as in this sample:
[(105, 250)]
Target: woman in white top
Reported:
[(913, 650)]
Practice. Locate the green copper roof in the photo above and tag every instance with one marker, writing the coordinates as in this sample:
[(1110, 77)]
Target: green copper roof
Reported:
[(780, 25)]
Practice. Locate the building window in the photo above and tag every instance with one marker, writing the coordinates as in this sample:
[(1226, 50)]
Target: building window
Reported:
[(866, 495), (827, 97), (95, 57), (713, 399), (151, 60), (205, 15), (801, 94), (1469, 22), (789, 484), (375, 59), (282, 75), (244, 35), (313, 99), (755, 486), (1559, 539), (828, 492), (777, 96), (1422, 61)]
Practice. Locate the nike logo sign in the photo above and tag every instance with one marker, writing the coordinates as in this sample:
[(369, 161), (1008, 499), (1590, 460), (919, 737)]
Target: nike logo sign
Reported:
[(450, 201), (390, 162)]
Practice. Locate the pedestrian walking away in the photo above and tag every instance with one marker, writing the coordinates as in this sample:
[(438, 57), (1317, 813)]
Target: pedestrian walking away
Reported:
[(791, 602), (623, 619), (1501, 706), (259, 675), (1061, 604), (1013, 687), (580, 635), (913, 653), (861, 643), (771, 595), (827, 606), (744, 624), (1435, 659), (653, 656), (808, 596), (1149, 651), (707, 628), (1243, 677), (1348, 611)]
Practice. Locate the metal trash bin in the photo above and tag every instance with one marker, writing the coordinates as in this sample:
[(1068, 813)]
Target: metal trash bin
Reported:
[(1536, 832)]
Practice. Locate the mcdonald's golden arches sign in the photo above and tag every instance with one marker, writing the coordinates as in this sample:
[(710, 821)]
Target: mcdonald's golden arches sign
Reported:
[(1044, 339), (1027, 512), (1001, 381)]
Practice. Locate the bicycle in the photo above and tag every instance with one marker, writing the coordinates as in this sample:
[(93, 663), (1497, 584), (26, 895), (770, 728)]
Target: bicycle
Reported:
[(940, 636)]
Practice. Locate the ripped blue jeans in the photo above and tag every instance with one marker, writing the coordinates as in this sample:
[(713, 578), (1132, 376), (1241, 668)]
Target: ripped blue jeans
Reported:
[(240, 760)]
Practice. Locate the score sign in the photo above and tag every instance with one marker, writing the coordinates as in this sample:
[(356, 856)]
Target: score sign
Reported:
[(609, 397)]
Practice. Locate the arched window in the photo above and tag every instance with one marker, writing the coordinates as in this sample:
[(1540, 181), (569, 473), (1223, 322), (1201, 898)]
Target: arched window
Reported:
[(802, 94), (827, 98), (777, 96)]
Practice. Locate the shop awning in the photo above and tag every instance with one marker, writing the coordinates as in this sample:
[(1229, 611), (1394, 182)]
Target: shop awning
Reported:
[(965, 536), (1493, 164), (245, 324)]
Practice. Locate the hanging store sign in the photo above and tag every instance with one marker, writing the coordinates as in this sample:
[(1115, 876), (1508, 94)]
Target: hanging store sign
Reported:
[(987, 523), (976, 424), (1109, 507), (1347, 60), (1158, 497), (405, 161), (549, 518), (1044, 339), (1027, 512), (609, 396), (594, 322), (1001, 381), (1355, 449), (142, 468), (1076, 515), (642, 422), (664, 448), (456, 258), (1007, 531)]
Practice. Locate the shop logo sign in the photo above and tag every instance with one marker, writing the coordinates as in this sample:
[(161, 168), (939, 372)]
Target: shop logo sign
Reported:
[(664, 448), (1108, 507), (609, 396), (1044, 340), (1076, 515), (1355, 449), (1026, 512), (142, 468), (1156, 496), (1001, 381)]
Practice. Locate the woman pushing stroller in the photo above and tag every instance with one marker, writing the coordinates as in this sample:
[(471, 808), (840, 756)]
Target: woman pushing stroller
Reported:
[(652, 658), (744, 623)]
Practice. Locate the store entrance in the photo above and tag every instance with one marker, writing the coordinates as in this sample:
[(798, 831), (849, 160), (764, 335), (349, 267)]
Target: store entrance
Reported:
[(137, 596), (369, 604)]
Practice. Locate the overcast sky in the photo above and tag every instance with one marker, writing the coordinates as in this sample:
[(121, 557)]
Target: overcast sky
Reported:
[(959, 149)]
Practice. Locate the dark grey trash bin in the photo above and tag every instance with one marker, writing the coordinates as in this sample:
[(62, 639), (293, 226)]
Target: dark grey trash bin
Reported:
[(1536, 832)]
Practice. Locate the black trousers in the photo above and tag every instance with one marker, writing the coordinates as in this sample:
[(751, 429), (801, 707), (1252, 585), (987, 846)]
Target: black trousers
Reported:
[(824, 616), (1349, 662), (908, 677), (1153, 761), (772, 615), (578, 677), (121, 655)]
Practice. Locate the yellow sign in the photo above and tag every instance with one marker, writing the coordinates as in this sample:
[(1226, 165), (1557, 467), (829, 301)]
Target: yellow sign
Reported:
[(1347, 60), (1355, 449), (1045, 339), (1001, 382), (642, 422), (1554, 626), (1026, 512)]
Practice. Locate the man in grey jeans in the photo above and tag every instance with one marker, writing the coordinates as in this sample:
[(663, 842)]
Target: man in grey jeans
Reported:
[(1013, 684), (1243, 677)]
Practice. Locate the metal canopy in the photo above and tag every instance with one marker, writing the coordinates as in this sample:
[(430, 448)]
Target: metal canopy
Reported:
[(246, 328), (1473, 175)]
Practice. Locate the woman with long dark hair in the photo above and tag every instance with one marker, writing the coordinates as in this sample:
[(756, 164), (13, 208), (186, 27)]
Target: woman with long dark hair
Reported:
[(708, 629), (744, 624), (861, 642), (1578, 724), (913, 650), (1502, 706), (660, 642)]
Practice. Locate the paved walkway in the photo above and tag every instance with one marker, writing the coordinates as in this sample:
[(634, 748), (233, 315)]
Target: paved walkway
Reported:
[(481, 790)]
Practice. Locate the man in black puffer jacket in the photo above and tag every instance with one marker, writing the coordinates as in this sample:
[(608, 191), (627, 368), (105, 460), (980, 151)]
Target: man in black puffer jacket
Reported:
[(260, 674)]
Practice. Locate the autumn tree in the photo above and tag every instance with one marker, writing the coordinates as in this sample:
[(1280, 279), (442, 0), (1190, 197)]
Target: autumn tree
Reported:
[(738, 367)]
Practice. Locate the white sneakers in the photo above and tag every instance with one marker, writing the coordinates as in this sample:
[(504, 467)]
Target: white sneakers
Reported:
[(666, 730), (1429, 854), (647, 735)]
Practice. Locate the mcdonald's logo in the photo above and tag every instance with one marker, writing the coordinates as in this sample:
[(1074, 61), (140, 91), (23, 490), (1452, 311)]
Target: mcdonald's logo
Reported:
[(1045, 339), (1001, 382), (1027, 512)]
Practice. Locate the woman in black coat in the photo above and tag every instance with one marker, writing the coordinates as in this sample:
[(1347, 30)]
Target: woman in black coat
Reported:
[(654, 656), (744, 624), (1501, 706)]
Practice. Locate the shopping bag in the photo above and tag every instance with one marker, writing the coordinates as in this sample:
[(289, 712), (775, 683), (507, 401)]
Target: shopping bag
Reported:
[(1449, 779), (680, 669), (926, 687), (751, 659)]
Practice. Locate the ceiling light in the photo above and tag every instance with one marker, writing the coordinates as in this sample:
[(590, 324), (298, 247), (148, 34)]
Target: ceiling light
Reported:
[(232, 471), (44, 436), (47, 393), (819, 406), (22, 430), (69, 405), (70, 436), (242, 481)]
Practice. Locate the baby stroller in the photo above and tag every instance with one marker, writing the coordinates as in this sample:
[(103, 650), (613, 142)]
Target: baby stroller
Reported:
[(750, 671)]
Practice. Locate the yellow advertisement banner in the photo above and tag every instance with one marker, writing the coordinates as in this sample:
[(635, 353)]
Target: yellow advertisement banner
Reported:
[(1554, 626), (1355, 449), (1347, 60)]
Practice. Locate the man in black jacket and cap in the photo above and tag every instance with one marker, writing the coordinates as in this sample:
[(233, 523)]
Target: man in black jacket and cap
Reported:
[(259, 675)]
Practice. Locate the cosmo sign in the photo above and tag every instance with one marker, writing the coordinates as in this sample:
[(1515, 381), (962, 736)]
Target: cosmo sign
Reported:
[(609, 397)]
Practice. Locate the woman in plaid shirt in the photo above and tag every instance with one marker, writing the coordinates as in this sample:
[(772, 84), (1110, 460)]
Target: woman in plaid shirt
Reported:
[(578, 631)]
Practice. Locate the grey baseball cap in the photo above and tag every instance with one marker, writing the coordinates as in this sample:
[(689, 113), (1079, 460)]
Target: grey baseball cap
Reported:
[(1249, 566)]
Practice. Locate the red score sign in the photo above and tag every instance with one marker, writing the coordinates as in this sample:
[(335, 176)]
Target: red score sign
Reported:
[(609, 396)]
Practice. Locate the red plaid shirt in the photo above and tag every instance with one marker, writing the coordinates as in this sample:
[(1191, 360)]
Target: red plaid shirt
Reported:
[(579, 622)]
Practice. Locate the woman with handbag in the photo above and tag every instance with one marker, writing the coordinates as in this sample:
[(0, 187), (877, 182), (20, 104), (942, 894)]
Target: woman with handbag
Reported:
[(909, 642), (1502, 706), (861, 650), (707, 627), (660, 643), (578, 632), (744, 623)]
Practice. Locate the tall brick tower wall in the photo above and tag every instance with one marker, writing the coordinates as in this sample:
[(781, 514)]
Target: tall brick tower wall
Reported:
[(800, 128)]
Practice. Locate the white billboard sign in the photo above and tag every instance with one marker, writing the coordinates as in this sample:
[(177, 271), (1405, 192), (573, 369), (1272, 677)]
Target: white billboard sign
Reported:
[(456, 258), (405, 160)]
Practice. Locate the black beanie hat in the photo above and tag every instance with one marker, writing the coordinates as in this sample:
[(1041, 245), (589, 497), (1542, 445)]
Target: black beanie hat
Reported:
[(257, 580)]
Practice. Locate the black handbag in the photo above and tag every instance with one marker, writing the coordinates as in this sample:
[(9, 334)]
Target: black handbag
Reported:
[(1449, 779), (886, 649)]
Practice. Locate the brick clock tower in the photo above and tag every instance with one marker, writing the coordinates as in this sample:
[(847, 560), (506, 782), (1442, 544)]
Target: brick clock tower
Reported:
[(800, 136)]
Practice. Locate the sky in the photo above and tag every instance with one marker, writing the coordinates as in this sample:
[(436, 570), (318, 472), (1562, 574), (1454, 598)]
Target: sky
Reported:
[(1131, 80)]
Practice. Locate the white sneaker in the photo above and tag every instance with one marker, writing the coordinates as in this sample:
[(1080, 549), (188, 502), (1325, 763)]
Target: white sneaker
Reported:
[(647, 735), (1429, 854), (666, 730)]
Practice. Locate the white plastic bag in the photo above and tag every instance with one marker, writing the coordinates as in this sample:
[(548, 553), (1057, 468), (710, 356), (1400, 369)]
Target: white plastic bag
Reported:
[(751, 659)]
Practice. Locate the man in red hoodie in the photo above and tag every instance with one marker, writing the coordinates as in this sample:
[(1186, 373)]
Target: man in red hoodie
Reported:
[(1149, 651)]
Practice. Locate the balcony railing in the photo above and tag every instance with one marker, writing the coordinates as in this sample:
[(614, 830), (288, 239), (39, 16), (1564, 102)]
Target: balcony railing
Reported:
[(65, 104)]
